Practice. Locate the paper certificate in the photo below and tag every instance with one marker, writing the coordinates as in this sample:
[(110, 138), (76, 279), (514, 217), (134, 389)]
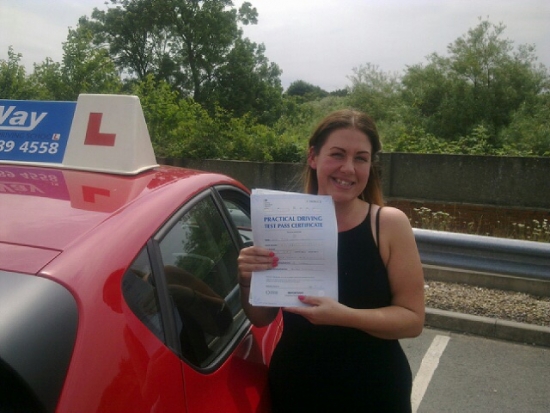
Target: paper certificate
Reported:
[(301, 230)]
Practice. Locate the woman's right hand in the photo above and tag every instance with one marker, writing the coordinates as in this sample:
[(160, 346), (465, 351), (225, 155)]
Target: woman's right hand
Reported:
[(254, 259)]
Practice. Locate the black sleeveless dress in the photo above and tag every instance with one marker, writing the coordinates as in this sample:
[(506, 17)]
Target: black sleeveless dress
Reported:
[(340, 369)]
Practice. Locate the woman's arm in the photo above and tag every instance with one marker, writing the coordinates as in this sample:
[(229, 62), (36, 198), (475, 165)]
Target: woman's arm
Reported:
[(255, 259), (405, 316)]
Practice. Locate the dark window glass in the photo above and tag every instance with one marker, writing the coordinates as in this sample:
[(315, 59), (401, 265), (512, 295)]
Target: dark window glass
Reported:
[(241, 217), (200, 265), (139, 290)]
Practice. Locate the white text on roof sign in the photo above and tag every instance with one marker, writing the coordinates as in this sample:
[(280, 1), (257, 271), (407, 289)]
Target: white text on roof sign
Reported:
[(19, 120)]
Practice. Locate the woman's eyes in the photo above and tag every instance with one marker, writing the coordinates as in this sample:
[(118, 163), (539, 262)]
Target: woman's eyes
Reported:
[(339, 155)]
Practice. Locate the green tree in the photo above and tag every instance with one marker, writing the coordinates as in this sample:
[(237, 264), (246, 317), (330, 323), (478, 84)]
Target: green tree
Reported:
[(13, 79), (162, 111), (374, 91), (195, 46), (299, 119), (481, 83), (440, 101), (203, 34), (48, 82), (248, 84), (529, 130), (86, 68), (306, 90), (179, 41), (136, 33), (499, 80)]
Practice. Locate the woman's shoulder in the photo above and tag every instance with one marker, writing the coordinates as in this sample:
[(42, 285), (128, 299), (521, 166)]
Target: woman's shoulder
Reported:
[(393, 219), (392, 213), (396, 234)]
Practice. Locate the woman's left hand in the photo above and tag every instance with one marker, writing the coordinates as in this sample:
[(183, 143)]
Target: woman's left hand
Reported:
[(320, 310)]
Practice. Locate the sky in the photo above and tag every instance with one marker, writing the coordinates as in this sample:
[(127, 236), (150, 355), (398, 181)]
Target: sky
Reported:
[(318, 41)]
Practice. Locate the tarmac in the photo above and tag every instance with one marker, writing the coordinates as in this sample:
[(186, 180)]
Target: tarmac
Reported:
[(486, 326)]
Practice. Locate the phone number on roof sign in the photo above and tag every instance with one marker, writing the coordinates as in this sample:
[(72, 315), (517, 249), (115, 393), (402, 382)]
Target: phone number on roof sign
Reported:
[(30, 147), (33, 131)]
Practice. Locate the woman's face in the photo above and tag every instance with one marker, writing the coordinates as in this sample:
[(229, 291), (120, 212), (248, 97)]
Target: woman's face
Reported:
[(343, 164)]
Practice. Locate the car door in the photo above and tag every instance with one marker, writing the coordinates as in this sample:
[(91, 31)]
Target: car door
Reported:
[(224, 360)]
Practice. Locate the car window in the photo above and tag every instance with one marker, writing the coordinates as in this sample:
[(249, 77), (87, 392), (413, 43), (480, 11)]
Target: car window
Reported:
[(237, 203), (199, 258), (140, 292), (241, 219)]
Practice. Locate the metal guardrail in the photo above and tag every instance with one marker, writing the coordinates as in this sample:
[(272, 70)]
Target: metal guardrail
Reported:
[(526, 259)]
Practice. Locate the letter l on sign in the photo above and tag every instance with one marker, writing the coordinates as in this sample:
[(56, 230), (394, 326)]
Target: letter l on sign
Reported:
[(94, 136)]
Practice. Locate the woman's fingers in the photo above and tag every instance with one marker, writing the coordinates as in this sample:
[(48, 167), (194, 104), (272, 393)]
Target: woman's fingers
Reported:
[(319, 310), (257, 259)]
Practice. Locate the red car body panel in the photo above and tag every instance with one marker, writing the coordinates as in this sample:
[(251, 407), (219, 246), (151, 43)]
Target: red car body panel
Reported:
[(25, 259), (82, 230)]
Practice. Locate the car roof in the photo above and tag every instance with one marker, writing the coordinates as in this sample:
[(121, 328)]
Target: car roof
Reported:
[(63, 205), (44, 216)]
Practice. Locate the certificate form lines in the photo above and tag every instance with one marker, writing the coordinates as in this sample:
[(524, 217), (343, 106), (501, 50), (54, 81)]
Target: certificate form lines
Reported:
[(301, 230)]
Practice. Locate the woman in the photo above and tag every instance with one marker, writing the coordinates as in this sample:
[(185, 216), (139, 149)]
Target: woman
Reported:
[(344, 355)]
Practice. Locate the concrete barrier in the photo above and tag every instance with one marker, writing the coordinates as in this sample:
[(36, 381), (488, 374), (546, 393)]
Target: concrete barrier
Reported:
[(486, 180)]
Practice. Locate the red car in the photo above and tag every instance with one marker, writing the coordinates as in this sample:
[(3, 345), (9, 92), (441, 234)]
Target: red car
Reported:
[(118, 277)]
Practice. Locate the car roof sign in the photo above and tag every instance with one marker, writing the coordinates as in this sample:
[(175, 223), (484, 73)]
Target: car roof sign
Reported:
[(100, 133)]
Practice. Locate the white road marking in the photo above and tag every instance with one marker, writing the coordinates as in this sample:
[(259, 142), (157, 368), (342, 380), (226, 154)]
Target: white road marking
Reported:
[(427, 368)]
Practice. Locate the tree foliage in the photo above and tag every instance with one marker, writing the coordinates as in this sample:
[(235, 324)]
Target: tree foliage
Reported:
[(209, 92), (197, 47), (306, 90), (85, 68), (13, 80), (181, 128), (373, 91), (481, 83), (529, 129), (247, 84)]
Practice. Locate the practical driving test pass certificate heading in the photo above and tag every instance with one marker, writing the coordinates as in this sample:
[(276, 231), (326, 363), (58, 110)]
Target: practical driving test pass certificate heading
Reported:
[(301, 230)]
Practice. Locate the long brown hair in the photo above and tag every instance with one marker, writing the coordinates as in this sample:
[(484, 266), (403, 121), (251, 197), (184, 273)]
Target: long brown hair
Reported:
[(347, 119)]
